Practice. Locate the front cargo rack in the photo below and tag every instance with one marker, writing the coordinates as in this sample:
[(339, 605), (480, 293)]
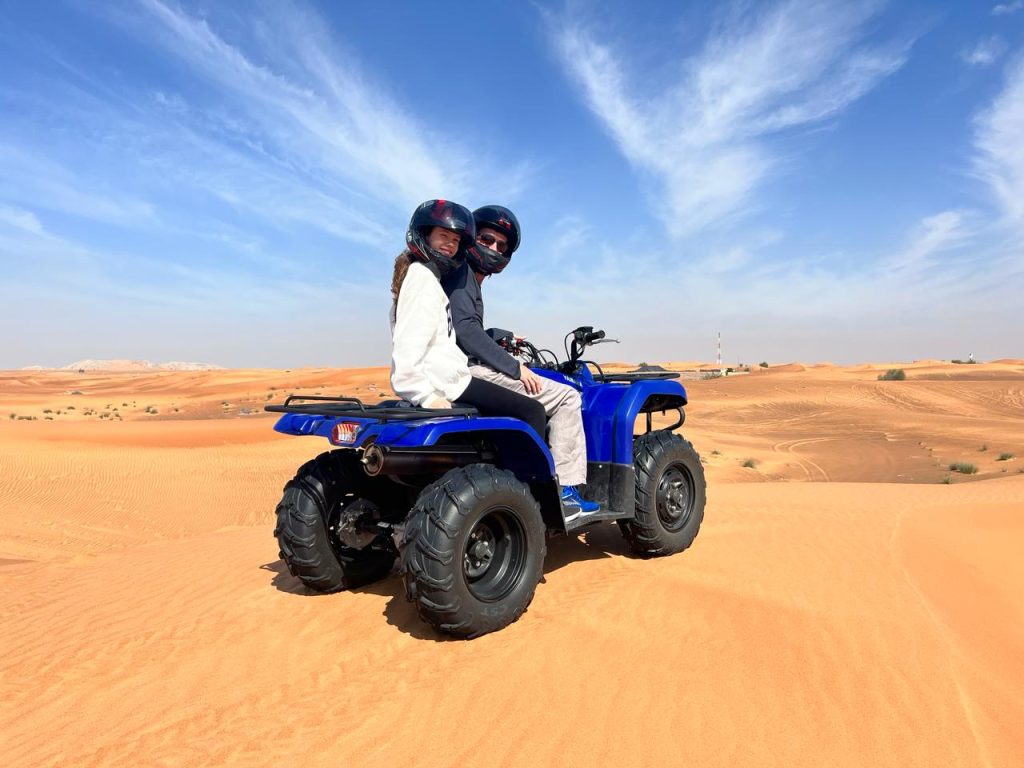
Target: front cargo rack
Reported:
[(636, 376), (389, 410)]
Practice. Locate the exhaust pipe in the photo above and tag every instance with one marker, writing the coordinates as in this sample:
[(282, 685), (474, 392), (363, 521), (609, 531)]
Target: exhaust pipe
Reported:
[(378, 460)]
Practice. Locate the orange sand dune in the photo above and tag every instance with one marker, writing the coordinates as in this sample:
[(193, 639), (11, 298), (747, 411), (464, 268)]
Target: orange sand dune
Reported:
[(850, 600)]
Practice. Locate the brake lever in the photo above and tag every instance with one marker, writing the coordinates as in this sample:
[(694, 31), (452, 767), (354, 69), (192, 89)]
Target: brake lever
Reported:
[(606, 341)]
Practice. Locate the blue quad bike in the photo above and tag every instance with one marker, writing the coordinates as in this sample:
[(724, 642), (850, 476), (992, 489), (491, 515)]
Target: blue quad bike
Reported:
[(465, 503)]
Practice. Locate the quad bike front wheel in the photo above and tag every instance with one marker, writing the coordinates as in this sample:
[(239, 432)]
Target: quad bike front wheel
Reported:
[(473, 551), (308, 521), (670, 495)]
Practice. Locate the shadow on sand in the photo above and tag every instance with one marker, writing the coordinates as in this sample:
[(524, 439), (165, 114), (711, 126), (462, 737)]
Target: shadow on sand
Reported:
[(600, 541)]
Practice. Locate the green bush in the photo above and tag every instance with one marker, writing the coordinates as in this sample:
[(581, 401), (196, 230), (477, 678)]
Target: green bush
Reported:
[(1005, 457), (893, 374), (963, 468), (763, 364), (750, 463)]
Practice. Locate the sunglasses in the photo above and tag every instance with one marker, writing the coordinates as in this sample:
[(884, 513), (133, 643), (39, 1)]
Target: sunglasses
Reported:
[(492, 242)]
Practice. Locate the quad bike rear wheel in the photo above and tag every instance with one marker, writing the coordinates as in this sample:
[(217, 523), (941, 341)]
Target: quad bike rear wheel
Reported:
[(309, 520), (473, 551)]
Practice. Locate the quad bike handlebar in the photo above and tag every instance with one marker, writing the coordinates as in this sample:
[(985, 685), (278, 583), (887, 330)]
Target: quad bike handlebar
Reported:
[(529, 354), (582, 337)]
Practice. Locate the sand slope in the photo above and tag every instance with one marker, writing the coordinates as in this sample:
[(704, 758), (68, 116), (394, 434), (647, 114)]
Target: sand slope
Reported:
[(145, 618)]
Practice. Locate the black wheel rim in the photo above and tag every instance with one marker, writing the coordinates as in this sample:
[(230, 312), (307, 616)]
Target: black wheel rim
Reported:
[(675, 497), (494, 557)]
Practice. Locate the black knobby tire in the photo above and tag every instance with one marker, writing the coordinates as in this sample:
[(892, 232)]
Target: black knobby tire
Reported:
[(473, 551), (307, 524), (670, 495)]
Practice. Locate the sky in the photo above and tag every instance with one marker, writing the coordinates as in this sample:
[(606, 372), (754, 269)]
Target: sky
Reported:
[(229, 183)]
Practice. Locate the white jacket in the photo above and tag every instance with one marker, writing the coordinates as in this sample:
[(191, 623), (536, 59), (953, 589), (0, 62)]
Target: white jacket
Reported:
[(426, 363)]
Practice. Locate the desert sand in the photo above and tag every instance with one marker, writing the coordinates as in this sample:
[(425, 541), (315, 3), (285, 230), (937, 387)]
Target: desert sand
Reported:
[(850, 600)]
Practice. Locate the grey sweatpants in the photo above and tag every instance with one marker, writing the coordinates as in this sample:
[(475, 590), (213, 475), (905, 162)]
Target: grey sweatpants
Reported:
[(563, 406)]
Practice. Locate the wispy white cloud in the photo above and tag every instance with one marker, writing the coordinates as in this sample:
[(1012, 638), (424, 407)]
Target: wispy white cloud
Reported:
[(31, 178), (1000, 149), (1004, 8), (313, 105), (706, 139), (984, 52), (933, 236), (264, 115), (20, 219)]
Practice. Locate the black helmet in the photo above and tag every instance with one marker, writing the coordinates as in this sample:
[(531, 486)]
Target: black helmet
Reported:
[(444, 214), (488, 261)]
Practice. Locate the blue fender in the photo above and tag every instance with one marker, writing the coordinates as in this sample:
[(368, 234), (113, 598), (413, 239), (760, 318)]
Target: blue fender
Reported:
[(522, 449), (610, 411)]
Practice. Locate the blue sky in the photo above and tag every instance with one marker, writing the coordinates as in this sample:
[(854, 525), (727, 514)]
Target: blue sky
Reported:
[(229, 183)]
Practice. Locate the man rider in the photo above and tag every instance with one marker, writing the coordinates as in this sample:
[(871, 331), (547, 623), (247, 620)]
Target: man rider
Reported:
[(497, 237)]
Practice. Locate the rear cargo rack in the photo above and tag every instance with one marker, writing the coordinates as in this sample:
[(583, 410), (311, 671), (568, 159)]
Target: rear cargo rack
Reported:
[(389, 410)]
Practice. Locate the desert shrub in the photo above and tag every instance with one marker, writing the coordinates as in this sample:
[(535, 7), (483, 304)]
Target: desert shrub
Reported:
[(12, 416), (76, 391), (716, 452), (711, 375), (893, 374), (763, 364), (946, 480), (963, 468), (983, 448), (47, 410), (70, 408), (750, 463), (964, 362), (1005, 457), (151, 409)]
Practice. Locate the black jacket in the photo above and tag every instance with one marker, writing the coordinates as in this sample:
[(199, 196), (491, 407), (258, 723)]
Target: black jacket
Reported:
[(467, 304)]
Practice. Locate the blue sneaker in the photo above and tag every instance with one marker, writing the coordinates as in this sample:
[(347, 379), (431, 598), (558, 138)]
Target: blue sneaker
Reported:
[(574, 504)]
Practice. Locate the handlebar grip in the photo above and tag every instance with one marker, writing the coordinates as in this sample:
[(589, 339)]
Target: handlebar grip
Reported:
[(593, 336)]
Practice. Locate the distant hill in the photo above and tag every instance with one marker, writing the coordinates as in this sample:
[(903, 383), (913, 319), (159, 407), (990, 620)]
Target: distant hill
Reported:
[(127, 366)]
